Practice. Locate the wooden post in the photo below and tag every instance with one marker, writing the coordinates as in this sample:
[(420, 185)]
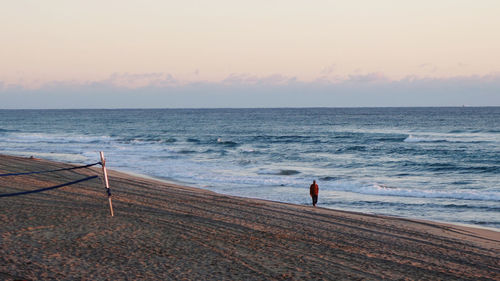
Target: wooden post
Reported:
[(103, 164)]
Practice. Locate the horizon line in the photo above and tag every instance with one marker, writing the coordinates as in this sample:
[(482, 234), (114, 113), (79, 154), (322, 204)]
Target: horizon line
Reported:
[(285, 107)]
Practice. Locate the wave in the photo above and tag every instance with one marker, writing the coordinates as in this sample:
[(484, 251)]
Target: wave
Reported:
[(245, 162), (485, 223), (448, 167), (146, 140), (465, 206), (227, 143), (165, 157), (475, 131), (7, 130), (328, 178), (481, 169), (186, 151), (65, 157), (413, 139), (439, 167), (352, 148), (288, 172), (376, 189), (283, 172), (426, 205), (250, 151), (28, 138), (287, 139), (461, 131), (390, 139)]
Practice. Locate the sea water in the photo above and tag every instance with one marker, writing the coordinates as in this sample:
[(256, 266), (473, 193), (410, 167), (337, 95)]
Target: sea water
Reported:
[(440, 164)]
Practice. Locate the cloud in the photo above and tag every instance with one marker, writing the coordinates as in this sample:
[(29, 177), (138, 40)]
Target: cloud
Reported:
[(367, 78), (240, 78), (429, 67), (154, 90), (329, 69), (138, 80), (249, 79)]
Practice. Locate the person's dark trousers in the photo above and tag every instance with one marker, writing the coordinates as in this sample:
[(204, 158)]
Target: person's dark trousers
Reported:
[(315, 199)]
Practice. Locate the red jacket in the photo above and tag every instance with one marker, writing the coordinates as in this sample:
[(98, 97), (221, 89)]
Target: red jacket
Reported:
[(314, 189)]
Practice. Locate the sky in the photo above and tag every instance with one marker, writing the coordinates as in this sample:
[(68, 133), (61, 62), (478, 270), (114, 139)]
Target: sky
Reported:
[(272, 53)]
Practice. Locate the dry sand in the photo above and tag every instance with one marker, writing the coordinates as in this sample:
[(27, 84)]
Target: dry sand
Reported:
[(163, 231)]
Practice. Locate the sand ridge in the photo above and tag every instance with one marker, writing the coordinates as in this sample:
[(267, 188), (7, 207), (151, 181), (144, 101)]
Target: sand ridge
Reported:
[(164, 231)]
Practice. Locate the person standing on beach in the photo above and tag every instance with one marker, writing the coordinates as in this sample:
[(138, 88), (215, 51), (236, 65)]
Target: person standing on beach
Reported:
[(314, 191)]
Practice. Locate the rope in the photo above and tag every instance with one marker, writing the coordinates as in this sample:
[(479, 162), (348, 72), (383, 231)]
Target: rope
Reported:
[(47, 188), (50, 171)]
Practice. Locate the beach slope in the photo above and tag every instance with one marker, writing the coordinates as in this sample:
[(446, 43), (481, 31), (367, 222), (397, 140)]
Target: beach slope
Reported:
[(163, 231)]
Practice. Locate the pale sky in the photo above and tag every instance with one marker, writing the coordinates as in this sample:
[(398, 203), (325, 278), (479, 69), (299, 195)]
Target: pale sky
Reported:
[(135, 44)]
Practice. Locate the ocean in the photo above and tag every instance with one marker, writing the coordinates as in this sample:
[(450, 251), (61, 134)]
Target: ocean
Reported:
[(440, 164)]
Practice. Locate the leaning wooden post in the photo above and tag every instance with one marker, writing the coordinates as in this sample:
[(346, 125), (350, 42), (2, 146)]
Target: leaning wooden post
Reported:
[(103, 164)]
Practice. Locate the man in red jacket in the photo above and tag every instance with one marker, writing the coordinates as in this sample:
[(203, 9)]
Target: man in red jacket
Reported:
[(314, 191)]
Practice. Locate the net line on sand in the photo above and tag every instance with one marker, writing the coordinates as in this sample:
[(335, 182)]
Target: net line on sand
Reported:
[(47, 188), (48, 171), (105, 180)]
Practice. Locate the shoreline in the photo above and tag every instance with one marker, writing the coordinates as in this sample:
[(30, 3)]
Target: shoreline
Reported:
[(169, 231), (174, 182)]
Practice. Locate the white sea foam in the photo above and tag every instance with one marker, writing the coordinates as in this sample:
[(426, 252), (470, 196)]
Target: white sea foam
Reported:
[(414, 139), (52, 138), (65, 157), (452, 138), (377, 189), (202, 170), (220, 174)]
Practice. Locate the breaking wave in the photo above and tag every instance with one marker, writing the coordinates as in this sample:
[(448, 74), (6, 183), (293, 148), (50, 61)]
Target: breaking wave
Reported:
[(376, 189)]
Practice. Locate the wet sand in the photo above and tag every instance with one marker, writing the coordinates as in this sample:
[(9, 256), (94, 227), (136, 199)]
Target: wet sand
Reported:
[(163, 231)]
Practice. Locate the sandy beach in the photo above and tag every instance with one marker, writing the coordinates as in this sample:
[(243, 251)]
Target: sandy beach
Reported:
[(163, 231)]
